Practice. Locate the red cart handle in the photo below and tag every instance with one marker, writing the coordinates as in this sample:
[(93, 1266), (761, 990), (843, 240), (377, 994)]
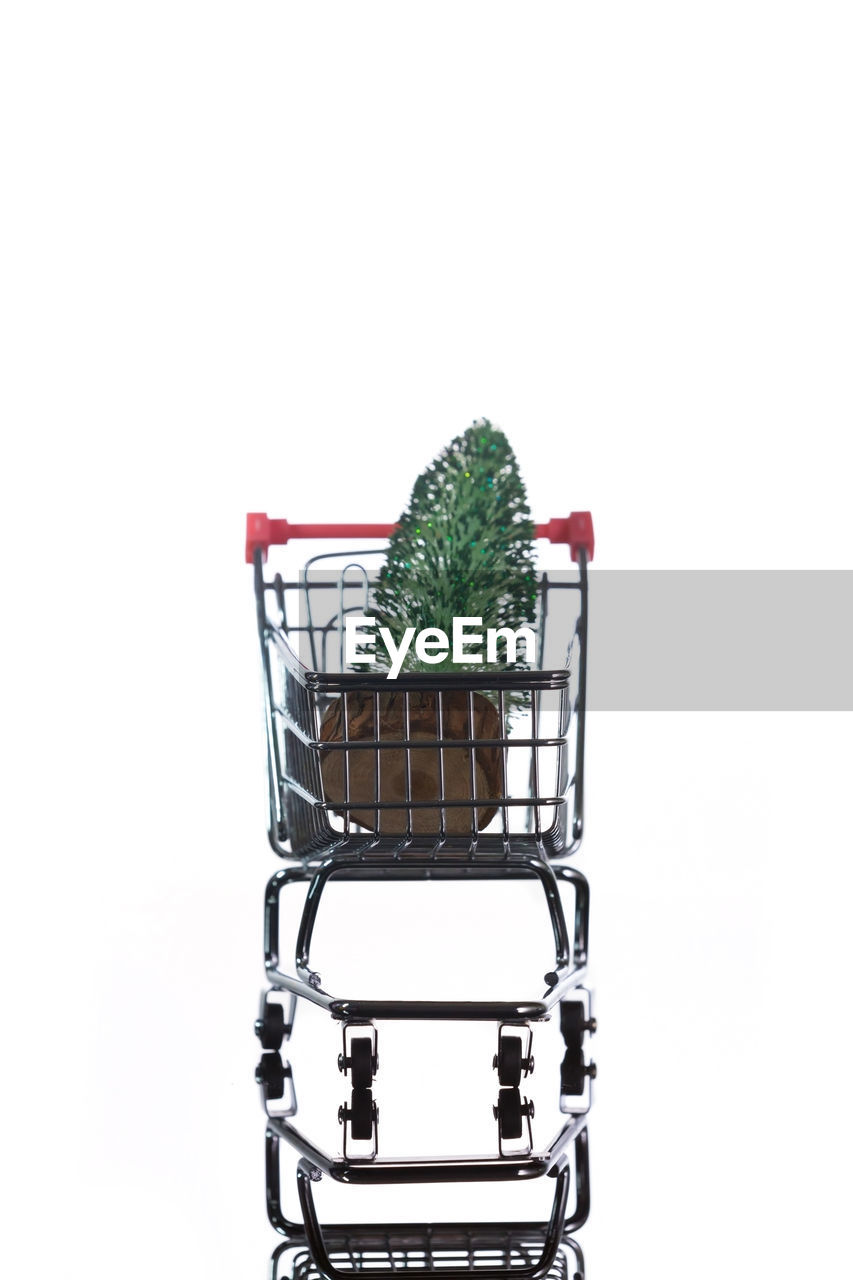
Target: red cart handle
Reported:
[(261, 531)]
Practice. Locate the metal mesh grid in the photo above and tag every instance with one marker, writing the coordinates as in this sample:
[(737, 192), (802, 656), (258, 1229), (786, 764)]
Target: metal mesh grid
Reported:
[(515, 785), (438, 1250)]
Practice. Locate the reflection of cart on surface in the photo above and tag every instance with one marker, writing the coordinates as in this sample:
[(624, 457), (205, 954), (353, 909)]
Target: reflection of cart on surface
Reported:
[(351, 807)]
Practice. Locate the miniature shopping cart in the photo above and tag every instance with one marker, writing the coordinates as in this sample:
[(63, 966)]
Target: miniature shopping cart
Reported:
[(343, 840)]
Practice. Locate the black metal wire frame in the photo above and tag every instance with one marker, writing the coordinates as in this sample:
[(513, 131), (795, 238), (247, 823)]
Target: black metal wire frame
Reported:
[(302, 830), (408, 1237), (434, 1248), (570, 953), (538, 1270), (404, 1170), (295, 698), (575, 1134)]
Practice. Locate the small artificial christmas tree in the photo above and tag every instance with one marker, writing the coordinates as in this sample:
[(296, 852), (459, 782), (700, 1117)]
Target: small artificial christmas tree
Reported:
[(462, 548)]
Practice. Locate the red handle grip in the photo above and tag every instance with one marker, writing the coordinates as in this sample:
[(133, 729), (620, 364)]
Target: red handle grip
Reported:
[(261, 531)]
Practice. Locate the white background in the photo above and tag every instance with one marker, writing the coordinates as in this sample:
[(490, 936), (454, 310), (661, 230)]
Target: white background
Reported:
[(273, 257)]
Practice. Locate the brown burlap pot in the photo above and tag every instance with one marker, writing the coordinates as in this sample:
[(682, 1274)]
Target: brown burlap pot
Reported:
[(424, 763)]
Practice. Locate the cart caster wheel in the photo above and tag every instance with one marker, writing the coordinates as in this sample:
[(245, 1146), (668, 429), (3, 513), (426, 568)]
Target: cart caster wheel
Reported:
[(572, 1018), (573, 1075), (574, 1022), (270, 1029), (509, 1114), (270, 1073), (361, 1062), (508, 1061), (361, 1114)]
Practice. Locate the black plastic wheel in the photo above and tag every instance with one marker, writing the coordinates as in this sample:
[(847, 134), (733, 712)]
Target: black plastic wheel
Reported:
[(270, 1072), (271, 1032), (509, 1060), (573, 1074), (361, 1062), (509, 1113), (361, 1114), (572, 1017)]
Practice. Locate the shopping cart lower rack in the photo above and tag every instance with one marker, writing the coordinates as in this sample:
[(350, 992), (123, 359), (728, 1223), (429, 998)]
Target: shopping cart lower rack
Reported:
[(523, 832)]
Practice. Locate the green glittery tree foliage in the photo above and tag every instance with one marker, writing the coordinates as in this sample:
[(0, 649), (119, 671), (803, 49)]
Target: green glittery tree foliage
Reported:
[(462, 548)]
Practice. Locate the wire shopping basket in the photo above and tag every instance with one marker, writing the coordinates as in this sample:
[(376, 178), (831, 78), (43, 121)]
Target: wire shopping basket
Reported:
[(498, 786)]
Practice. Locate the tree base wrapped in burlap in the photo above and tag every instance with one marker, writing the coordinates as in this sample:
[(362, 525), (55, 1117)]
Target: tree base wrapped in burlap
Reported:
[(425, 766)]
